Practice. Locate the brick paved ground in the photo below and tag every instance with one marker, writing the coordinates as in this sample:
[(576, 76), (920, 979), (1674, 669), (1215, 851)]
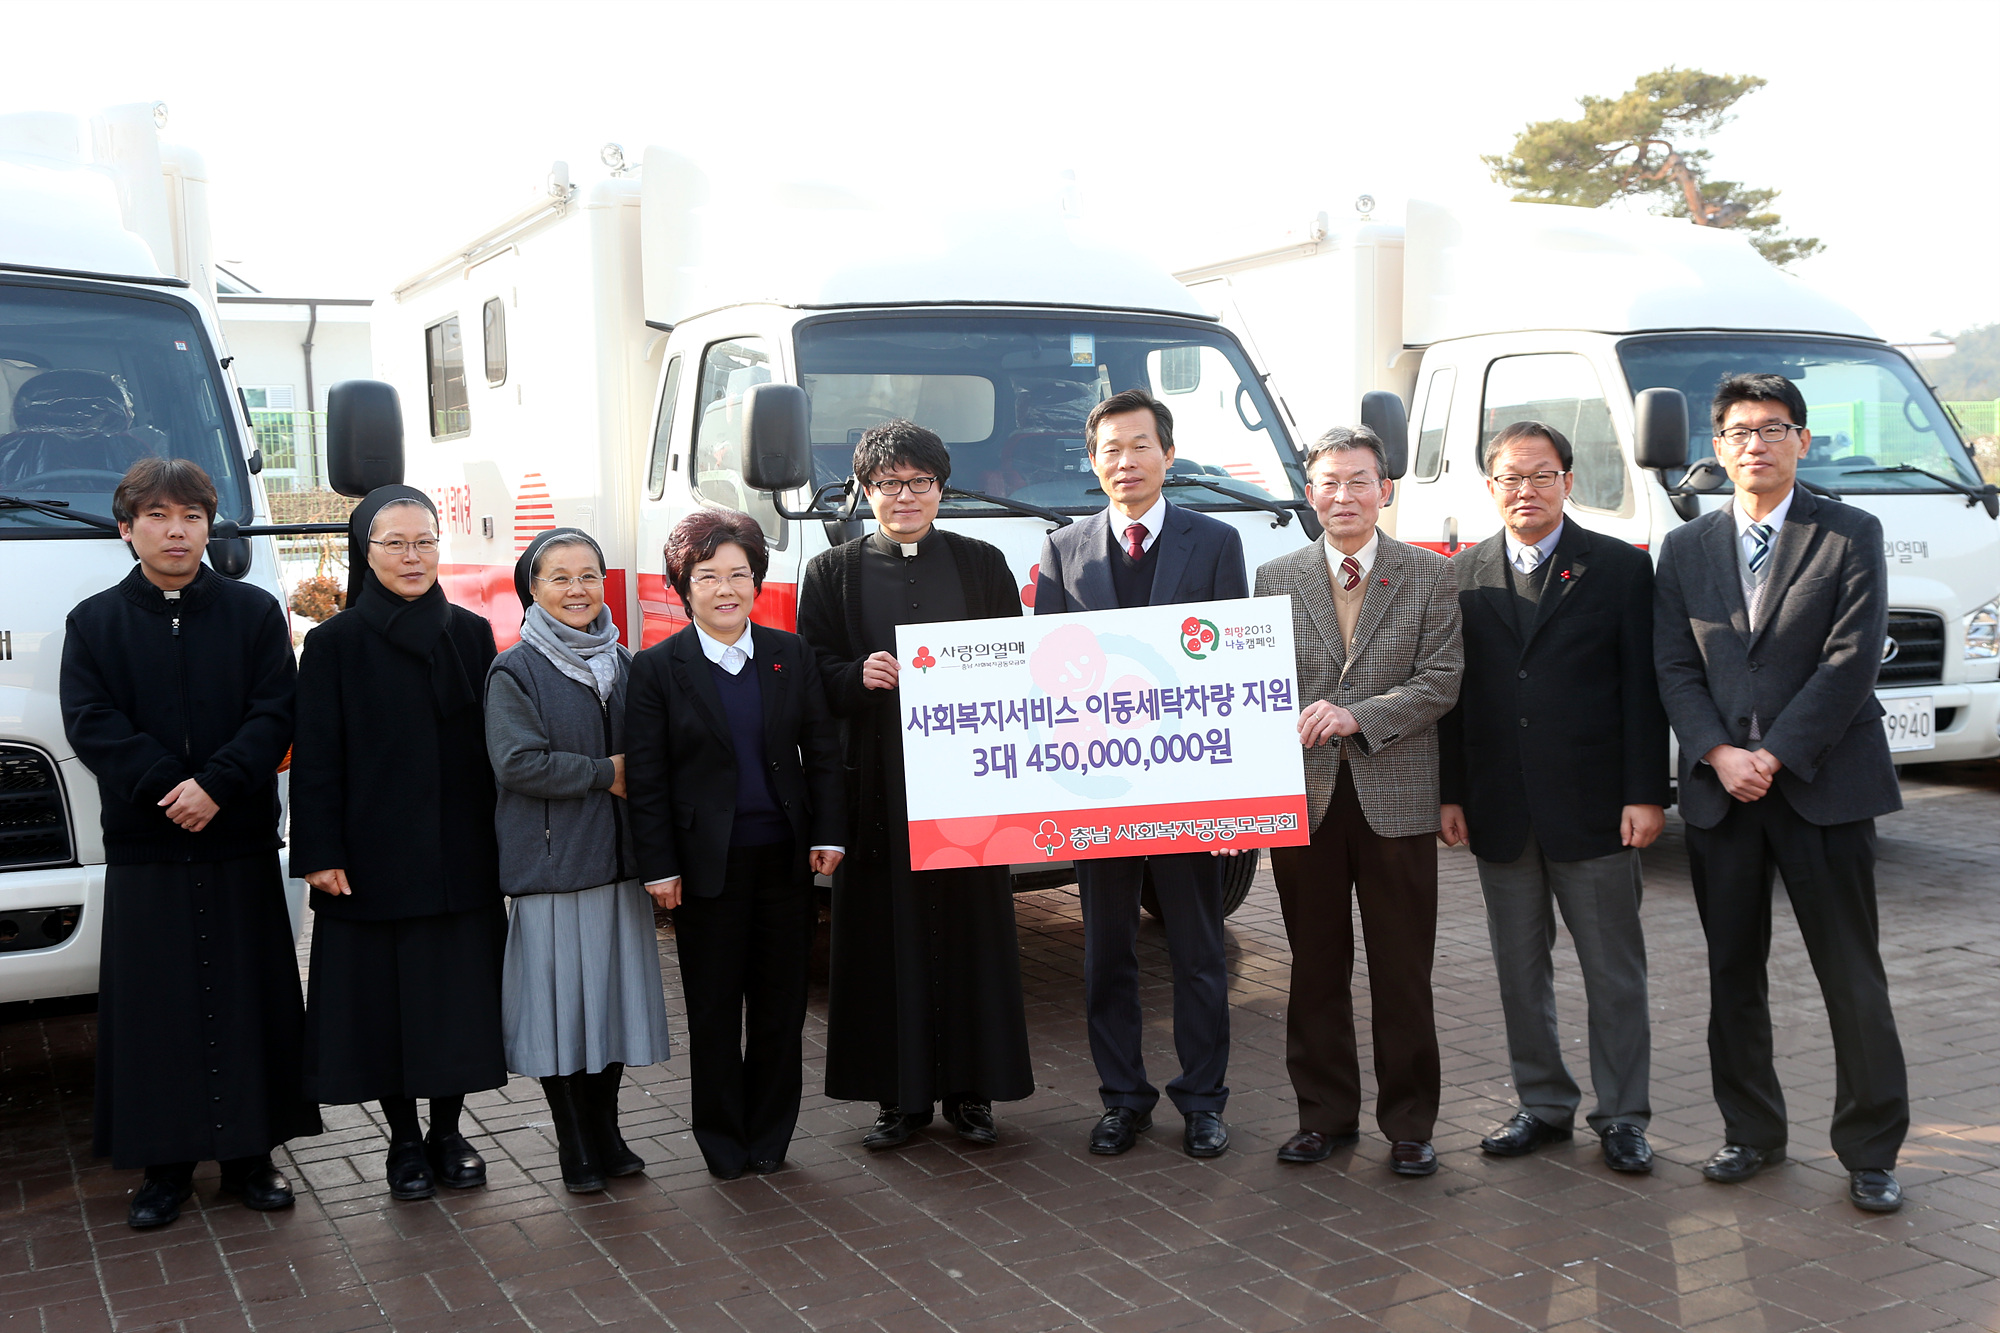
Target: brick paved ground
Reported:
[(1036, 1234)]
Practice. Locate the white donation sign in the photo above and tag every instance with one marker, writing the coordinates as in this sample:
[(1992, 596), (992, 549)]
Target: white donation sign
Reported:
[(1103, 733)]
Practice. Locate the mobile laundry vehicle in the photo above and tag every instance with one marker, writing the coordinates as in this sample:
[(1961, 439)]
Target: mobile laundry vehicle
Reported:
[(110, 350), (1616, 330), (618, 355)]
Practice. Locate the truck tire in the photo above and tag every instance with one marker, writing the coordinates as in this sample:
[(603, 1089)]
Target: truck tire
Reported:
[(1238, 872)]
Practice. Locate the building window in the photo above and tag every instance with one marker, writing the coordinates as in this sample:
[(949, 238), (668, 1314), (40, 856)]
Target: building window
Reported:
[(728, 372), (496, 343), (656, 471), (444, 355)]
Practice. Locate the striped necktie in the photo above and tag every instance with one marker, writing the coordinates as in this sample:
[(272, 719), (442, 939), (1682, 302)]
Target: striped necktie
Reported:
[(1350, 573), (1760, 546)]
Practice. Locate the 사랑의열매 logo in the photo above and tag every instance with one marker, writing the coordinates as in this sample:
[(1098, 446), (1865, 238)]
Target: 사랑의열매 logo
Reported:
[(923, 661)]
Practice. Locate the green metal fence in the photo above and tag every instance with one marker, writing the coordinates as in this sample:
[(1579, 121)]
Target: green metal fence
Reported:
[(1977, 418), (294, 448)]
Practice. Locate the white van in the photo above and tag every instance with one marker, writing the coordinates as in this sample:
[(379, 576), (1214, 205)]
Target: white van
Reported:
[(1616, 329), (616, 356)]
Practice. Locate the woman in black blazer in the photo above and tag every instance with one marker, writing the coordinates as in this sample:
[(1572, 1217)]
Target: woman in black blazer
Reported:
[(732, 767)]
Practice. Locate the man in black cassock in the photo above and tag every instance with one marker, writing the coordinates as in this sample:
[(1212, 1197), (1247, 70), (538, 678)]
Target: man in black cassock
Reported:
[(925, 996), (177, 696)]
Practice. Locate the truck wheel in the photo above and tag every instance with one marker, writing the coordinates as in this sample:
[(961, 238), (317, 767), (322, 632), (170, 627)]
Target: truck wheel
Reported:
[(1238, 872)]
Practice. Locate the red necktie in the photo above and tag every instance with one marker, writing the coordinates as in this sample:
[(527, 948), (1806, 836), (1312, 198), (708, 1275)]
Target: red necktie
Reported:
[(1350, 573), (1135, 540)]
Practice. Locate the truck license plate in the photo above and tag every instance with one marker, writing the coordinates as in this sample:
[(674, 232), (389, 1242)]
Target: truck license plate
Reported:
[(1911, 723)]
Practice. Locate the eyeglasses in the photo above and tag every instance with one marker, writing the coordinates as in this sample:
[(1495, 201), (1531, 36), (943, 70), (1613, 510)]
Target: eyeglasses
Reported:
[(1541, 481), (563, 582), (742, 578), (422, 546), (1771, 432), (893, 486), (1356, 488)]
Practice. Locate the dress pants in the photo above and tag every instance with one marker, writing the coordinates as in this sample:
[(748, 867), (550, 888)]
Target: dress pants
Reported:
[(1395, 880), (1829, 873), (1188, 888), (1599, 898), (747, 948)]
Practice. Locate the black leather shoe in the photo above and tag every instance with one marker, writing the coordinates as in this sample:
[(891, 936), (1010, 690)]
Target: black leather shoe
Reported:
[(1735, 1163), (1118, 1129), (1410, 1158), (1626, 1149), (255, 1181), (599, 1105), (1522, 1134), (974, 1122), (409, 1173), (1205, 1135), (1871, 1191), (1311, 1146), (765, 1166), (452, 1160), (159, 1199), (893, 1129)]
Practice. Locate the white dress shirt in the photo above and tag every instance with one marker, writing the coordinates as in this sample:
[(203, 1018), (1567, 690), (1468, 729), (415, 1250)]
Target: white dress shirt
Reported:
[(1365, 557), (1773, 520), (1154, 519), (1547, 546)]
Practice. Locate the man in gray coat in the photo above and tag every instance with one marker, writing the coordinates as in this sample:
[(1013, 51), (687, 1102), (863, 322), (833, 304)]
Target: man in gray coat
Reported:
[(1770, 620), (1375, 629)]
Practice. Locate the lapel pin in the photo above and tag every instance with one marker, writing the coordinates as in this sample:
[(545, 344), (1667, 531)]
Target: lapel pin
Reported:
[(780, 666), (1565, 575), (1385, 583)]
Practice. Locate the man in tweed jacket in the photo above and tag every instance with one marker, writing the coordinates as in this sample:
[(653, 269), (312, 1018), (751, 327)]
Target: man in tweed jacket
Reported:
[(1375, 625)]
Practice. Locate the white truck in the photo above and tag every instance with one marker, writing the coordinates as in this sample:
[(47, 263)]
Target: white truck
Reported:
[(1616, 329), (110, 349), (617, 355)]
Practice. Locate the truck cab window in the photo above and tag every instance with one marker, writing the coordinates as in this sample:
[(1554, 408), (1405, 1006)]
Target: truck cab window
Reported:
[(495, 319), (728, 371), (663, 434), (1430, 434), (444, 360), (1561, 390)]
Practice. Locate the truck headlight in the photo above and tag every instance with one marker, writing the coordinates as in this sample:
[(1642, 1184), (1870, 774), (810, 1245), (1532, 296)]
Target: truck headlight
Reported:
[(1982, 633)]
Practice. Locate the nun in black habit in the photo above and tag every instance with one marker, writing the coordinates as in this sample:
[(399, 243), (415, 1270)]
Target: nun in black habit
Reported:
[(924, 1004), (392, 826)]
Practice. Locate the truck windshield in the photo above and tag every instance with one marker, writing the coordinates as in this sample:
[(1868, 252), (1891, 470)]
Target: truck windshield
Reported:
[(90, 383), (1865, 406), (1008, 394)]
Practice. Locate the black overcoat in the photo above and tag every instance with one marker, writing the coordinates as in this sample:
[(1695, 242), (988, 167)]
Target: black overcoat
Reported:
[(925, 988), (199, 1021), (1562, 730)]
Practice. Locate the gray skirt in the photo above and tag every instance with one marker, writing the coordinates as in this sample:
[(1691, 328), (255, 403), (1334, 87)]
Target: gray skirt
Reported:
[(581, 986)]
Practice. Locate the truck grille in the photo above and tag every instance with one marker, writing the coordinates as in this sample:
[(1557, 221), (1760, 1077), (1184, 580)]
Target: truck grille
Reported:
[(1919, 655), (34, 820)]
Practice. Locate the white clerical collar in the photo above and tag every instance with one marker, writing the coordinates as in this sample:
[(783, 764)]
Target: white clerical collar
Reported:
[(1547, 545), (1365, 557), (1155, 520), (1774, 520), (729, 656)]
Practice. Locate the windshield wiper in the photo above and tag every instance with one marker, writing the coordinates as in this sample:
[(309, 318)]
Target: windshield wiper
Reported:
[(1973, 494), (59, 509), (1282, 510), (1018, 506)]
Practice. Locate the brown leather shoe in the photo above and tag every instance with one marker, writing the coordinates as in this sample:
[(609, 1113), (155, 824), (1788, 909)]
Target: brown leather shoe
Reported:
[(1311, 1146), (1413, 1159)]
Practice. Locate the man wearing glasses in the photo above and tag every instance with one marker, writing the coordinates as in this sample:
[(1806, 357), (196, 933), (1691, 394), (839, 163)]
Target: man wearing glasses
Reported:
[(1561, 707), (1768, 634), (1376, 633)]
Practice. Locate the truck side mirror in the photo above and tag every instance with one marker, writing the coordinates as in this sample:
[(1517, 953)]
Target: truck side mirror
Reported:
[(364, 436), (1382, 412), (777, 437), (1660, 428)]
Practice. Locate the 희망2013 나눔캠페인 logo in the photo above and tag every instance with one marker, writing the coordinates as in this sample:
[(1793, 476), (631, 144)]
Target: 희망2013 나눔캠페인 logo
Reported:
[(1197, 638)]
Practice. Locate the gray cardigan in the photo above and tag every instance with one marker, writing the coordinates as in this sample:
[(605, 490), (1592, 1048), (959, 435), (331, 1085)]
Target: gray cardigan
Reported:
[(560, 828)]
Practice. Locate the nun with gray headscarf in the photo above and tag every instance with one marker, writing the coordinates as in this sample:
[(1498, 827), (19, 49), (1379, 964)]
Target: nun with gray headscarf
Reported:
[(581, 996)]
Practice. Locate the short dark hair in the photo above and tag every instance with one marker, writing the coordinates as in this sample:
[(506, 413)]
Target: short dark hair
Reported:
[(701, 534), (900, 442), (1736, 389), (1528, 430), (1132, 400), (151, 480), (1342, 438)]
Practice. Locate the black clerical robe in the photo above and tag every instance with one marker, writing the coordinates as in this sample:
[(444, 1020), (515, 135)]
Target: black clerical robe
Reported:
[(925, 994)]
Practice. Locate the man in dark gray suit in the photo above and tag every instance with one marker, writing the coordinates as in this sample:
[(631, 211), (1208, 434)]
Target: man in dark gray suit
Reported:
[(1770, 620), (1143, 551)]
